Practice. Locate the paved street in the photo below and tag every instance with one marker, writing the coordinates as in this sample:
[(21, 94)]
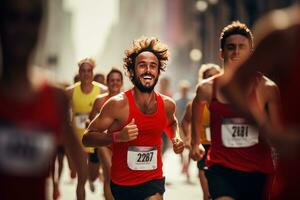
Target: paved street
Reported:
[(177, 187)]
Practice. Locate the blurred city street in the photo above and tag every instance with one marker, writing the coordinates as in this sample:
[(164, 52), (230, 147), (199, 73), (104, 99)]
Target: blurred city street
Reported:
[(177, 188)]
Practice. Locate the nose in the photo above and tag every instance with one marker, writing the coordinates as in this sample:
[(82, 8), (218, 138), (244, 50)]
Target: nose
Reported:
[(148, 68), (237, 51)]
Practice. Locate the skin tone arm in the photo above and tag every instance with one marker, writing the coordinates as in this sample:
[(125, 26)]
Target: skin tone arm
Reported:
[(109, 119), (98, 103), (186, 124), (203, 94), (173, 125)]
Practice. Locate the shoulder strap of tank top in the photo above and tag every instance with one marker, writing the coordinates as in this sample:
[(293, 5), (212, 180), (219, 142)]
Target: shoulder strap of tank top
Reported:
[(160, 101), (131, 102)]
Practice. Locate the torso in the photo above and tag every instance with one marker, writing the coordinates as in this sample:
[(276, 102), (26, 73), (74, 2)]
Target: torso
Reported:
[(150, 128), (235, 144), (29, 134)]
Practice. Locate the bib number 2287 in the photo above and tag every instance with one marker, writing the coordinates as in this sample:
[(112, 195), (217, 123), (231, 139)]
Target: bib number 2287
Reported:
[(142, 158)]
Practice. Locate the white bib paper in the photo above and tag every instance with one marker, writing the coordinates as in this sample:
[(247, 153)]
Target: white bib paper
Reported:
[(80, 120), (142, 158), (25, 152), (237, 133)]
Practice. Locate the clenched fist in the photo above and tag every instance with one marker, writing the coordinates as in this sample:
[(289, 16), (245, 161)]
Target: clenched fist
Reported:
[(197, 152), (177, 145), (128, 133)]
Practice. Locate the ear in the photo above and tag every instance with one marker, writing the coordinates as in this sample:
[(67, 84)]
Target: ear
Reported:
[(221, 54)]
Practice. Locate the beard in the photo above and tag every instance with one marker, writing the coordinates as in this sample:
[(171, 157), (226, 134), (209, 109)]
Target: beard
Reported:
[(143, 88)]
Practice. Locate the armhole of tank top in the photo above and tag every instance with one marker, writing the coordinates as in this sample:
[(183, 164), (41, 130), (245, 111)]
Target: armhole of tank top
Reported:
[(161, 104), (131, 105)]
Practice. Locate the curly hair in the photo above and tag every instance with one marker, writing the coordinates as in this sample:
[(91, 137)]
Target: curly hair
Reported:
[(142, 44), (236, 27)]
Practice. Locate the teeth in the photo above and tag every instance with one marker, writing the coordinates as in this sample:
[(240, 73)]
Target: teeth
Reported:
[(147, 77)]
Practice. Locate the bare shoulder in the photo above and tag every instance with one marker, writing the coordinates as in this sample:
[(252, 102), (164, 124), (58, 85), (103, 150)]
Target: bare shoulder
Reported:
[(117, 102), (204, 89), (268, 88), (168, 101)]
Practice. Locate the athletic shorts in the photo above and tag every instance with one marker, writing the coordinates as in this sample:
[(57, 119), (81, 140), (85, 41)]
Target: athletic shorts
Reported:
[(93, 157), (201, 163), (224, 181), (138, 192)]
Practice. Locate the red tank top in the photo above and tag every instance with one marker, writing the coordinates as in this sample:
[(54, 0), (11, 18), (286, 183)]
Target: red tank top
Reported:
[(230, 146), (28, 136), (139, 161)]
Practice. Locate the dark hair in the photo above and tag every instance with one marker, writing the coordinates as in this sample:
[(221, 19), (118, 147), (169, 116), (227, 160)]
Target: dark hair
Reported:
[(235, 27), (113, 70), (142, 44)]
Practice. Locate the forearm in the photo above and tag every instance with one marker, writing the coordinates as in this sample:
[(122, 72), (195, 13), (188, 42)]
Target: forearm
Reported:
[(185, 128), (197, 114), (95, 139)]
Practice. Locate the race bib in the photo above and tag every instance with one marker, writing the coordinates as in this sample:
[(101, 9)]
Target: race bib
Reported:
[(25, 152), (207, 134), (142, 158), (237, 133), (80, 120)]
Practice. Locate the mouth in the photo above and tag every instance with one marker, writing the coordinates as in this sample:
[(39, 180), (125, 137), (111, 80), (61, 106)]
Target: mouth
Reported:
[(236, 59), (148, 77)]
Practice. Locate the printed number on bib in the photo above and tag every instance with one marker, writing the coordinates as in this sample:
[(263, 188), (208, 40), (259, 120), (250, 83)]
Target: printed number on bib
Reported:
[(25, 152), (237, 133), (142, 158), (80, 120)]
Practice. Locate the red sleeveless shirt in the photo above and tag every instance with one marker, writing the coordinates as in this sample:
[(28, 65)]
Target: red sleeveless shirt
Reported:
[(254, 157), (150, 128), (28, 137)]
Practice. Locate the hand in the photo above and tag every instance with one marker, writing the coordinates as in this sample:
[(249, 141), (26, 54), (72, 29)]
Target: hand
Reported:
[(177, 145), (197, 152), (128, 133)]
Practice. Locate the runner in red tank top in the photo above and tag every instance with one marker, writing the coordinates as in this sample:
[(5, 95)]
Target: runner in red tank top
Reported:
[(34, 117), (239, 160), (114, 83), (277, 55), (133, 122)]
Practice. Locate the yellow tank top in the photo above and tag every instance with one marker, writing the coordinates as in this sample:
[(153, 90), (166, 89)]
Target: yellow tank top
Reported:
[(82, 105), (205, 130)]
